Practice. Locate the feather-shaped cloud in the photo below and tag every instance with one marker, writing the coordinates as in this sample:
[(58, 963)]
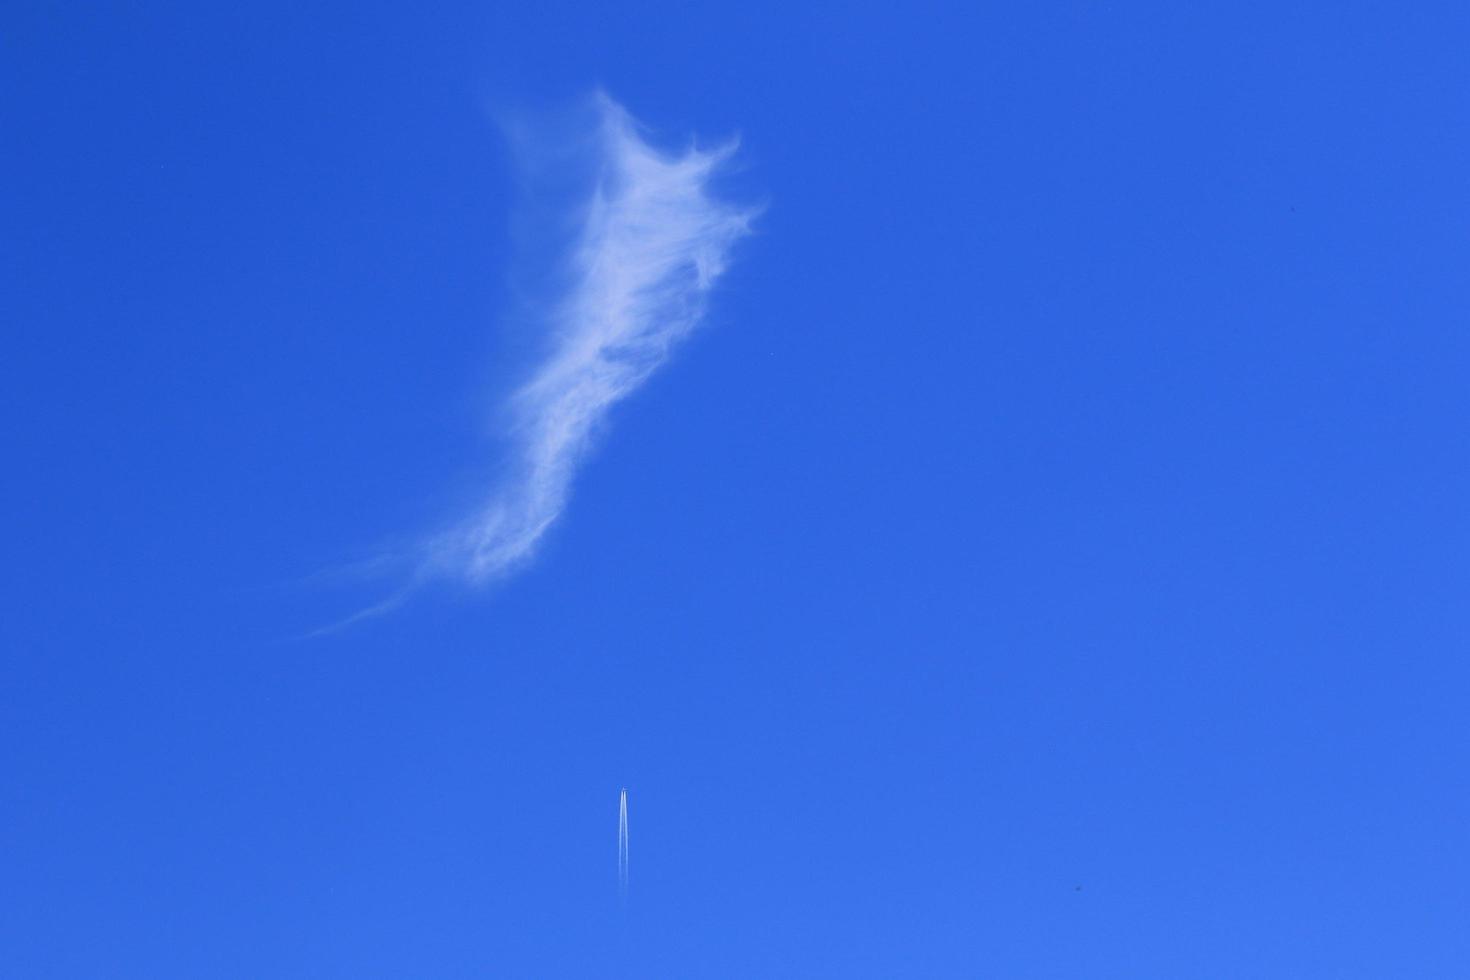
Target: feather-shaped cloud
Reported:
[(652, 243)]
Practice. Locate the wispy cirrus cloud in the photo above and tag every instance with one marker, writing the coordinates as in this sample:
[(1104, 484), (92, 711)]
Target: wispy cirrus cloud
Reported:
[(652, 242)]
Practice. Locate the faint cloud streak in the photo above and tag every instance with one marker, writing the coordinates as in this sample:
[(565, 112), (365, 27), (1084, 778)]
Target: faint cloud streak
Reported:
[(652, 243)]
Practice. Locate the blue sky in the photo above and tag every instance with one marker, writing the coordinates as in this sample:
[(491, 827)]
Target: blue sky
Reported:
[(1046, 559)]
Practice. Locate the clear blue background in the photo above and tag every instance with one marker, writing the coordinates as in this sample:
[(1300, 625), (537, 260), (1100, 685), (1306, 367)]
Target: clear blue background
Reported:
[(1050, 561)]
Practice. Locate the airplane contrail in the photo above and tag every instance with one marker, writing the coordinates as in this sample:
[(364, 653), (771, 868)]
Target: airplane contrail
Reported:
[(623, 845)]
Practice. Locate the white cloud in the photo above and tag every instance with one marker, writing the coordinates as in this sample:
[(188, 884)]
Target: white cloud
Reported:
[(651, 244)]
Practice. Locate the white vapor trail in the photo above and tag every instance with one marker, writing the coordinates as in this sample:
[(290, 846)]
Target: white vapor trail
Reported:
[(651, 245), (623, 844)]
